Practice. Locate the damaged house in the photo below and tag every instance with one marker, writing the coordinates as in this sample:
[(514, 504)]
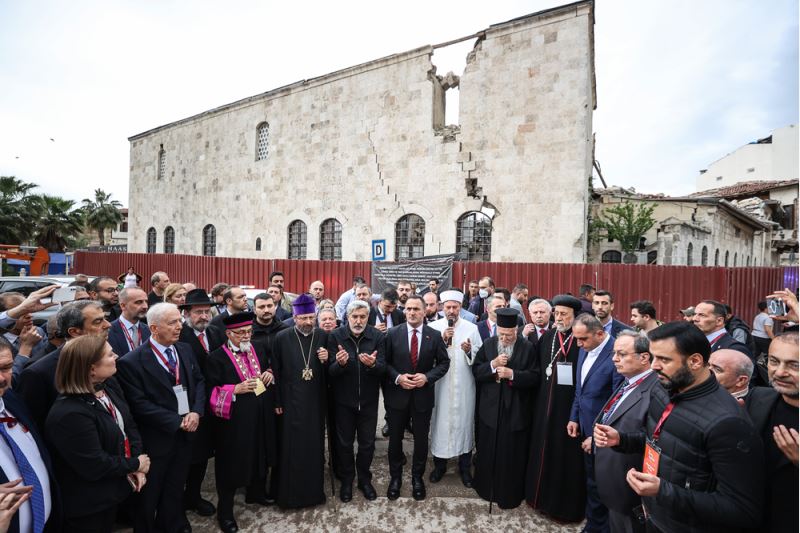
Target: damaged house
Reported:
[(319, 168)]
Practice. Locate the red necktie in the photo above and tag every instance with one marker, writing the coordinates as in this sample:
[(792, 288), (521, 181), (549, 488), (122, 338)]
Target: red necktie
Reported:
[(414, 349), (541, 332), (202, 339)]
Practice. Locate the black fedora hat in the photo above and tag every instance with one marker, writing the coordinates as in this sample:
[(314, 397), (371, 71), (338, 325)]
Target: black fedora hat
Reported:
[(196, 297)]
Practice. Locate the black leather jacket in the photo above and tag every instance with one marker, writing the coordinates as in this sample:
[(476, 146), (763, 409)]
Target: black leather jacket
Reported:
[(711, 465), (355, 384)]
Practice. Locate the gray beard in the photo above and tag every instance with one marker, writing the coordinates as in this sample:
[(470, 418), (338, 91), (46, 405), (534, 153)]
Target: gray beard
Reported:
[(504, 350), (245, 346), (562, 329), (305, 330)]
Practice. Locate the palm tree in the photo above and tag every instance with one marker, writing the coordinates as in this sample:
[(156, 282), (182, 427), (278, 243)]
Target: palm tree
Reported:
[(102, 213), (16, 210), (58, 223)]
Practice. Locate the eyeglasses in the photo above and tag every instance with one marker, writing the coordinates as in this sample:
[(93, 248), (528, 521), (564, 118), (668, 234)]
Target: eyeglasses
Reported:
[(241, 332), (111, 290)]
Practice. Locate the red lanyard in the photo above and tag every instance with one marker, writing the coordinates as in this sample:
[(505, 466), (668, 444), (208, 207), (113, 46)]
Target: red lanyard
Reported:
[(113, 411), (718, 337), (667, 410), (561, 342), (177, 373), (128, 335), (622, 391)]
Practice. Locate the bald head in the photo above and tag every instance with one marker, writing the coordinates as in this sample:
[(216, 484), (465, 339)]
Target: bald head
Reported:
[(733, 370)]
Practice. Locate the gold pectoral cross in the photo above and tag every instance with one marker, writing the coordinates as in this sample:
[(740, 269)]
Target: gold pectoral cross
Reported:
[(307, 374)]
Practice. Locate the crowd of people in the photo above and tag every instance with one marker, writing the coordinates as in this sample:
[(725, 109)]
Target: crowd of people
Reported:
[(112, 411)]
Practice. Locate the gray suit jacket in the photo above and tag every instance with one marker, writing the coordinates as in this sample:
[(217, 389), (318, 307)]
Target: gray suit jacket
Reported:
[(610, 465)]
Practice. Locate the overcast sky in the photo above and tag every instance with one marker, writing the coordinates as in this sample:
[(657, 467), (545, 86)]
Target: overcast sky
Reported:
[(679, 83)]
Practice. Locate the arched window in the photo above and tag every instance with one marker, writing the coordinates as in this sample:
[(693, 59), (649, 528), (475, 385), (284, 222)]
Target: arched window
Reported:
[(330, 240), (611, 256), (210, 240), (297, 240), (689, 252), (162, 162), (716, 257), (258, 244), (704, 256), (474, 236), (169, 240), (727, 255), (735, 259), (151, 241), (409, 237), (748, 260), (262, 141)]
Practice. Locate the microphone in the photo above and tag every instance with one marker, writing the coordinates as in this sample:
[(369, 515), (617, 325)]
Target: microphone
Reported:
[(450, 323)]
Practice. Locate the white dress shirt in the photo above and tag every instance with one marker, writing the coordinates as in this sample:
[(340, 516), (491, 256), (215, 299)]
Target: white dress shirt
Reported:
[(591, 357), (163, 350), (8, 464)]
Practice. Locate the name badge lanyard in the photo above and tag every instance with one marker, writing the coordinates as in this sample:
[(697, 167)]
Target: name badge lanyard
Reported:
[(113, 411), (667, 411), (718, 337), (610, 403), (164, 360), (564, 349), (129, 338)]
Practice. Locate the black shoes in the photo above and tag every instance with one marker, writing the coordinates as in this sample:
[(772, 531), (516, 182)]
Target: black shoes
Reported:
[(437, 474), (346, 492), (368, 490), (466, 478), (260, 500), (228, 526), (202, 507), (417, 488), (394, 488)]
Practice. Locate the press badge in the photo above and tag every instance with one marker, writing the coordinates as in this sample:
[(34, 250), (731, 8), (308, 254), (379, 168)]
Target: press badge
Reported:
[(183, 399), (564, 373), (652, 455)]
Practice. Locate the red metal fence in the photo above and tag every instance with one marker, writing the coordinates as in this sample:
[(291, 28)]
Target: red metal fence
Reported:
[(670, 288)]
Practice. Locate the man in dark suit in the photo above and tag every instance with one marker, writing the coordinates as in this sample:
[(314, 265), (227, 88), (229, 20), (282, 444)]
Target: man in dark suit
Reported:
[(128, 332), (105, 291), (36, 384), (540, 311), (596, 378), (603, 307), (416, 357), (23, 455), (235, 302), (709, 317), (386, 315), (166, 393), (625, 410), (488, 326), (196, 316)]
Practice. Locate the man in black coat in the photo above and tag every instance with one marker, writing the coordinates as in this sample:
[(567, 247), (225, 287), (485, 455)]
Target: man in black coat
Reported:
[(355, 377), (235, 302), (386, 315), (36, 384), (129, 331), (42, 510), (703, 465), (774, 412), (709, 317), (507, 370), (166, 393), (196, 316), (416, 357), (625, 411)]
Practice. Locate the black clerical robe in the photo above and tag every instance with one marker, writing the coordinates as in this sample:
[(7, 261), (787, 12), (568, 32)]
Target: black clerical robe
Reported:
[(555, 482), (301, 469), (244, 429), (505, 418)]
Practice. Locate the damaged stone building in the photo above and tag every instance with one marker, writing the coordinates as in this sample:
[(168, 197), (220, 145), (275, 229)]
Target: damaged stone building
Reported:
[(320, 168)]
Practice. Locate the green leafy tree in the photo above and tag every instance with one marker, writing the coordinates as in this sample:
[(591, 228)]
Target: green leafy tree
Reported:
[(627, 223), (17, 210), (58, 224), (102, 213)]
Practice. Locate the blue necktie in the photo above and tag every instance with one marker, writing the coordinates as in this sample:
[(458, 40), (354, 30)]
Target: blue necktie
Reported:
[(30, 478), (170, 361)]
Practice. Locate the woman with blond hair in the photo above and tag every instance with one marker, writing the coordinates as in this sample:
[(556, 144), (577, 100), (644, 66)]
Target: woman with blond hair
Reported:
[(175, 293), (97, 451)]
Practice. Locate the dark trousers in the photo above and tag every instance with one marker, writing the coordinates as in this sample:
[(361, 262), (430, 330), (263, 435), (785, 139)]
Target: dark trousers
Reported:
[(624, 523), (194, 481), (350, 422), (160, 505), (225, 497), (762, 346), (420, 427), (99, 522), (464, 462), (596, 512)]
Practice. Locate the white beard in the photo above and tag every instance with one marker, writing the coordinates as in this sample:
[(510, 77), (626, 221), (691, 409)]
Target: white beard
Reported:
[(244, 346), (505, 350)]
